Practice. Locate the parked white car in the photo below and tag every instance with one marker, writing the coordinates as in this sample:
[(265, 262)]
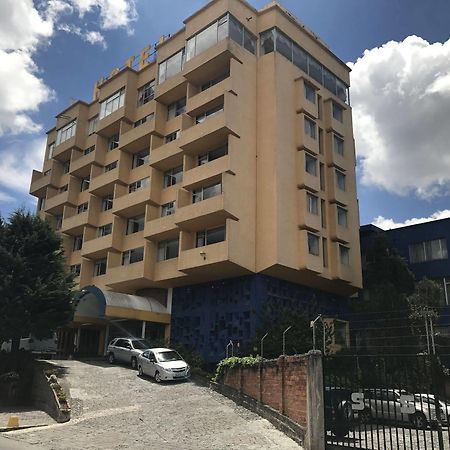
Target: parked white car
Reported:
[(126, 350), (163, 364)]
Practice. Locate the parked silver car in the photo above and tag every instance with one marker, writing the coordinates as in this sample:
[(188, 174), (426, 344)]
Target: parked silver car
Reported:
[(163, 364), (428, 399), (126, 350)]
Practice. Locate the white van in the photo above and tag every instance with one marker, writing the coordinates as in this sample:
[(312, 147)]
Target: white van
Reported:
[(33, 345)]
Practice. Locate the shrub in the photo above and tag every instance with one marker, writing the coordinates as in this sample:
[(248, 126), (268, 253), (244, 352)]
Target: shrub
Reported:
[(234, 361)]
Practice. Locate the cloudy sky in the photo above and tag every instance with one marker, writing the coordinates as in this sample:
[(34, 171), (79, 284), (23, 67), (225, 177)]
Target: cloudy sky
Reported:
[(53, 51)]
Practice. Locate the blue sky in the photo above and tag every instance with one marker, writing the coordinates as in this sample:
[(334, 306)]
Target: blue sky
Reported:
[(53, 51)]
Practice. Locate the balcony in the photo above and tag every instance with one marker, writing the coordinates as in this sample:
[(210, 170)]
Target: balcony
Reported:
[(137, 138), (308, 220), (207, 257), (103, 184), (199, 175), (63, 151), (165, 271), (306, 179), (209, 95), (305, 140), (55, 204), (171, 89), (75, 224), (110, 124), (129, 205), (161, 228), (40, 182), (307, 261), (305, 105), (99, 247), (81, 166), (166, 156), (131, 276)]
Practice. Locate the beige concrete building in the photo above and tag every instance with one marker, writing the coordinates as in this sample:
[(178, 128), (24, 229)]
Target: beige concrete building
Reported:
[(225, 151)]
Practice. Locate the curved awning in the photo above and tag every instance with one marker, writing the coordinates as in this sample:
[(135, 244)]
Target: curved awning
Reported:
[(93, 303)]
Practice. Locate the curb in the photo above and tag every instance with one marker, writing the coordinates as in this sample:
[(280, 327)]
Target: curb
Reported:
[(23, 427)]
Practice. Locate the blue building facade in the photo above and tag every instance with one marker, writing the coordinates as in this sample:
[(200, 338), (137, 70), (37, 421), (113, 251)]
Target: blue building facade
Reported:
[(205, 317)]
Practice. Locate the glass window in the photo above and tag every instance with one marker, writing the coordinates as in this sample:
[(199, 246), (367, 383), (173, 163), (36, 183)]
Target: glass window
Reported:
[(236, 31), (75, 270), (77, 243), (112, 103), (107, 202), (284, 45), (344, 255), (215, 81), (100, 267), (111, 166), (310, 93), (338, 144), (322, 176), (341, 90), (342, 217), (173, 176), (88, 150), (212, 155), (104, 230), (168, 249), (338, 112), (113, 142), (206, 38), (222, 28), (208, 114), (212, 236), (132, 256), (135, 224), (428, 251), (313, 244), (47, 172), (66, 167), (176, 108), (58, 221), (315, 69), (249, 41), (148, 118), (41, 203), (141, 158), (329, 80), (267, 42), (140, 184), (310, 164), (172, 137), (84, 184), (312, 204), (171, 66), (51, 149), (310, 128), (92, 125), (206, 192), (340, 180), (82, 208), (168, 209), (300, 58), (146, 93), (66, 132), (64, 188)]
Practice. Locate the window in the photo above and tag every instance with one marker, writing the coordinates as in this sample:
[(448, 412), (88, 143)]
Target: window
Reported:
[(168, 209), (92, 125), (324, 252), (113, 142), (171, 66), (140, 184), (338, 144), (112, 103), (284, 45), (89, 150), (132, 256), (173, 176), (310, 164), (208, 114), (176, 108), (212, 155), (321, 141), (172, 136), (100, 267), (342, 216), (47, 172), (41, 204), (338, 112), (206, 192), (168, 249), (135, 224), (146, 93), (212, 236), (107, 202), (267, 42), (66, 132), (141, 158), (111, 166), (51, 149), (240, 34), (344, 255), (340, 180), (104, 230), (322, 176), (66, 166), (148, 118), (77, 243), (82, 208), (75, 270), (312, 204), (84, 183), (313, 244), (215, 81), (58, 221), (310, 128), (323, 213), (310, 93), (428, 251), (64, 188)]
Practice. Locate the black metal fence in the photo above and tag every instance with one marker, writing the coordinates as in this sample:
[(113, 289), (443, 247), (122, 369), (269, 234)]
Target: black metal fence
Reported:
[(394, 402)]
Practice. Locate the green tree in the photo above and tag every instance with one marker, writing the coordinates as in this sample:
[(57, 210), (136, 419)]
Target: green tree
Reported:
[(425, 300), (35, 287)]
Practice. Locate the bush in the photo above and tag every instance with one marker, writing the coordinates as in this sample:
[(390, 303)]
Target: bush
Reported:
[(234, 361)]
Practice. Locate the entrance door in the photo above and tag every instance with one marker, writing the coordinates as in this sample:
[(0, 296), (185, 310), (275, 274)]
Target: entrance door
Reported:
[(89, 342)]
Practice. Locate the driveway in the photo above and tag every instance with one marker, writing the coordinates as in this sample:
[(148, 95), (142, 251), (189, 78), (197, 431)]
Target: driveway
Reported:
[(113, 408)]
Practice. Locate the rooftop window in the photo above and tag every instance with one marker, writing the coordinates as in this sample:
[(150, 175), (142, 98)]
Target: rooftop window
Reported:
[(112, 103), (66, 132)]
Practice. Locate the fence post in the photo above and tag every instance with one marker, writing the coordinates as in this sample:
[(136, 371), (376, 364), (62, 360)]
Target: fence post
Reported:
[(315, 421), (283, 386)]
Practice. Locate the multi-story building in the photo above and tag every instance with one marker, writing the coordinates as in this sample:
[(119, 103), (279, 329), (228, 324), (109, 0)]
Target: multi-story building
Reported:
[(212, 179)]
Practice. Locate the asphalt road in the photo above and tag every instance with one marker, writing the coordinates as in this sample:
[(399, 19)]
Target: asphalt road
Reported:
[(113, 409)]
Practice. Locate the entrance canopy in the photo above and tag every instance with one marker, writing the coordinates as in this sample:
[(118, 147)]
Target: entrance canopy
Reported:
[(97, 305)]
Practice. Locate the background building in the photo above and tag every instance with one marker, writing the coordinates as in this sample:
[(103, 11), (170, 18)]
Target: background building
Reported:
[(221, 168)]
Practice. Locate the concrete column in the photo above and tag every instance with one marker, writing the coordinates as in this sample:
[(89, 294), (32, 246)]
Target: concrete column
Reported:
[(143, 329), (106, 339), (169, 300), (315, 420)]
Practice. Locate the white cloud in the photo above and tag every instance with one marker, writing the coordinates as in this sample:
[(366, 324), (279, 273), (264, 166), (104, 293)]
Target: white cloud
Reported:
[(401, 105), (387, 224), (93, 37), (6, 198)]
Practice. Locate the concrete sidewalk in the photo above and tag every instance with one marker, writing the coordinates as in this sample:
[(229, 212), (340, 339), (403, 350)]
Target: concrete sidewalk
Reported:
[(11, 444), (28, 417)]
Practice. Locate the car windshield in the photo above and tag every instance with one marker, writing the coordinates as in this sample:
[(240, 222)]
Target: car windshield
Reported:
[(168, 356), (140, 344)]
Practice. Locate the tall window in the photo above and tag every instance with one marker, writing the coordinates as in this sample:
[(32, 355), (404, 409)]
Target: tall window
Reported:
[(310, 128), (168, 209), (206, 192), (113, 142), (342, 216), (312, 204), (338, 112), (75, 270), (82, 208), (111, 166), (172, 137), (84, 184), (77, 243), (112, 103), (107, 202), (132, 256), (51, 148), (173, 176), (100, 267), (322, 176), (212, 155), (208, 114), (340, 180), (176, 108), (141, 158), (428, 251), (171, 66), (212, 236), (146, 93), (92, 125), (344, 255), (310, 93), (66, 132), (58, 221), (313, 244), (338, 144), (104, 230), (66, 166), (88, 150), (310, 164), (168, 249), (135, 224), (140, 184)]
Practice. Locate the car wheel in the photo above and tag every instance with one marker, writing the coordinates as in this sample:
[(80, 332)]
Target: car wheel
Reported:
[(158, 377), (419, 420), (134, 363), (111, 358), (140, 371)]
